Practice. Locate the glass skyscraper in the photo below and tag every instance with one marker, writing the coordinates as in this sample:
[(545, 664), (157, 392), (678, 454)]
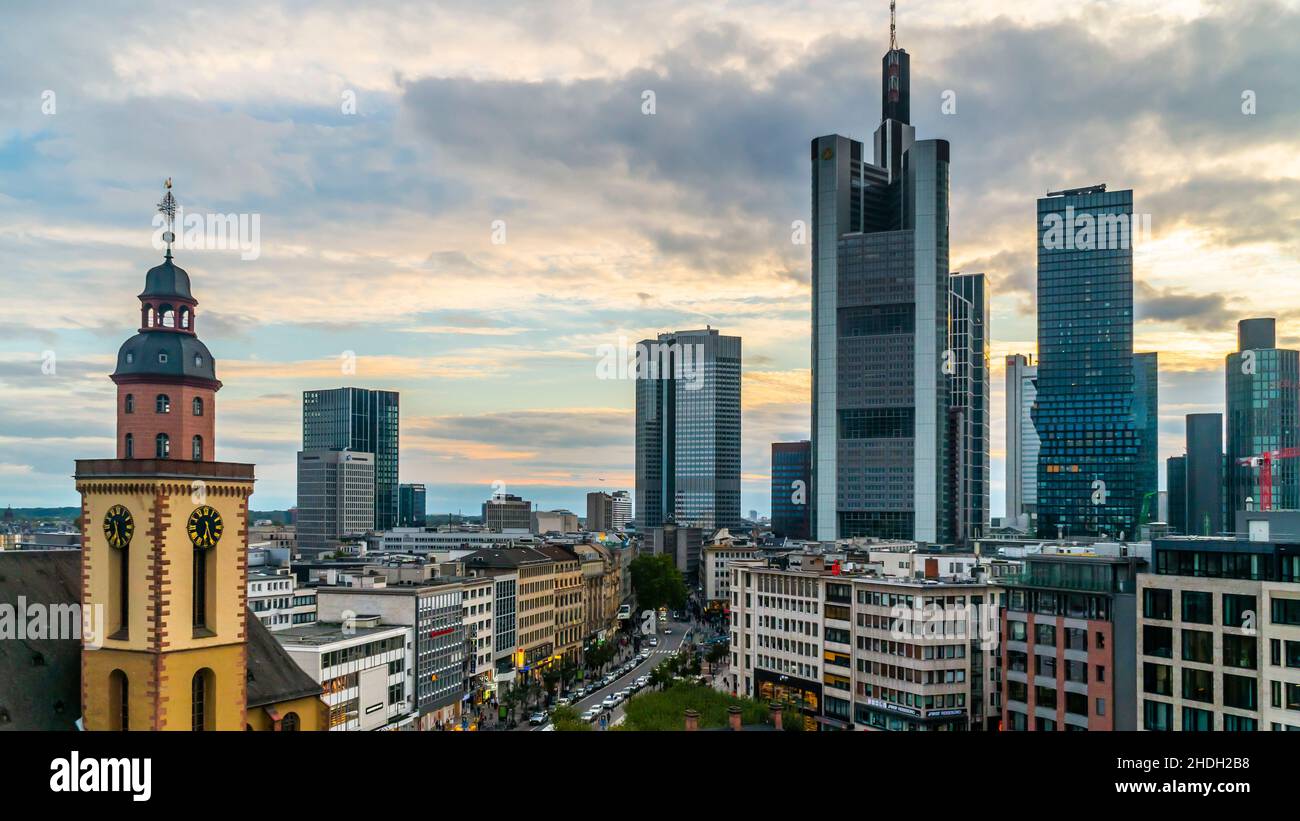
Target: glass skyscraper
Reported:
[(688, 430), (881, 363), (1087, 459), (1176, 481), (1263, 405), (1204, 478), (358, 419), (1146, 421), (791, 481), (1022, 441), (968, 411)]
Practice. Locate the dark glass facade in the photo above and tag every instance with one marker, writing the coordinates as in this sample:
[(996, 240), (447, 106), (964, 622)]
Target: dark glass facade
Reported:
[(358, 419), (1146, 421), (410, 505), (968, 411), (1087, 479), (1263, 404), (791, 486), (1204, 480), (1176, 482)]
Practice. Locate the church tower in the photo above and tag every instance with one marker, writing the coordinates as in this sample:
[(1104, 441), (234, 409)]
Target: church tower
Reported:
[(164, 533)]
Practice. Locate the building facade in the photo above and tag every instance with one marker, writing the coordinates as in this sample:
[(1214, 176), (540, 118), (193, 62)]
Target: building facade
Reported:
[(411, 505), (363, 421), (1204, 480), (1263, 416), (791, 488), (1084, 415), (688, 430), (968, 408), (507, 512), (1021, 486), (1176, 481), (336, 497), (600, 512), (1146, 423)]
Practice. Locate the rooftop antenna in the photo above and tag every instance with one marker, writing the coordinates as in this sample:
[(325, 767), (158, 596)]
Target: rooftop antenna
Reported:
[(167, 207), (893, 36)]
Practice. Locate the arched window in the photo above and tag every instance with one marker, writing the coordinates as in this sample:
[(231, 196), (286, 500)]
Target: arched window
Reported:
[(150, 317), (119, 701), (128, 452), (130, 403), (197, 449), (185, 317), (163, 404), (200, 701), (162, 446), (198, 406), (290, 723), (199, 588), (168, 315)]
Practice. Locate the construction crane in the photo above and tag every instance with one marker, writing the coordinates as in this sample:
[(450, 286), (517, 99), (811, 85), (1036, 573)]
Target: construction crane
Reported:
[(1264, 461)]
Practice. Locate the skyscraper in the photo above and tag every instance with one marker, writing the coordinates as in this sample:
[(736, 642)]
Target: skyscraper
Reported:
[(336, 497), (362, 420), (1022, 441), (622, 510), (968, 410), (1263, 406), (1146, 421), (1087, 482), (600, 511), (1204, 480), (1176, 480), (688, 430), (411, 500), (880, 328), (791, 479)]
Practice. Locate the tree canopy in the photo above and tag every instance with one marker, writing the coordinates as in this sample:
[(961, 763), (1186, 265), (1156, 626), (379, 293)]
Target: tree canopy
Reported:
[(657, 582)]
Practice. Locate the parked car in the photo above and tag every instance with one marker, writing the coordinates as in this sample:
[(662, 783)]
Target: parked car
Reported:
[(537, 718), (563, 701), (591, 714), (610, 702)]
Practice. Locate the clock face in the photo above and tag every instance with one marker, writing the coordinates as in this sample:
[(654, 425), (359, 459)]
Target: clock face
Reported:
[(119, 527), (205, 526)]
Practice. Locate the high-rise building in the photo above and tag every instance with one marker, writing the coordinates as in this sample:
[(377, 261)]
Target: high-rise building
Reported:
[(410, 505), (505, 511), (361, 420), (1263, 405), (1021, 464), (1087, 482), (968, 408), (622, 516), (1204, 482), (880, 327), (1146, 421), (336, 497), (1176, 480), (600, 511), (688, 430), (791, 483)]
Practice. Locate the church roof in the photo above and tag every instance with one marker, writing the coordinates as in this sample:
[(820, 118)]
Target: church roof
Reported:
[(167, 280), (165, 353), (40, 679), (273, 676)]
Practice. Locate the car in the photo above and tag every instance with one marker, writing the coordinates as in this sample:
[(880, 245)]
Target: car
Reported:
[(563, 701), (610, 702), (654, 641), (667, 632), (591, 714), (536, 718)]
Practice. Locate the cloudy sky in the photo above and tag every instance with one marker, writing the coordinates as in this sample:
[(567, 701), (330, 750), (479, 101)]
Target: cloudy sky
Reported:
[(385, 146)]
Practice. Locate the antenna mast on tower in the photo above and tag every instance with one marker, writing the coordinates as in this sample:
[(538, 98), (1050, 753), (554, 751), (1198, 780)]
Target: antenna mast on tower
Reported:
[(893, 38)]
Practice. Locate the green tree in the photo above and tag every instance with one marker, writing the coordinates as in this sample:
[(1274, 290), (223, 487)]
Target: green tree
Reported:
[(657, 582), (566, 719), (717, 654)]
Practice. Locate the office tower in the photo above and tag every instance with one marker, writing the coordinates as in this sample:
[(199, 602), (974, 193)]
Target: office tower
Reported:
[(791, 480), (1022, 442), (1263, 406), (553, 521), (1084, 415), (688, 430), (622, 510), (336, 496), (361, 420), (410, 505), (1176, 481), (880, 328), (1146, 421), (600, 511), (1204, 481), (505, 511), (968, 407)]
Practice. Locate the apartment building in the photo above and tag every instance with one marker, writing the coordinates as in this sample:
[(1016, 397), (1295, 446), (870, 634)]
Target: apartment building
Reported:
[(1219, 630), (534, 601), (477, 617), (365, 668), (715, 562), (568, 607), (1069, 655)]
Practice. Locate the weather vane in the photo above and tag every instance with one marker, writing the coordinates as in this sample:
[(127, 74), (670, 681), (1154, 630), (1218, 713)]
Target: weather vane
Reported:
[(167, 207)]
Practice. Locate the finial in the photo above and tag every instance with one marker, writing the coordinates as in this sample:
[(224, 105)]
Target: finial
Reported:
[(893, 38), (167, 207)]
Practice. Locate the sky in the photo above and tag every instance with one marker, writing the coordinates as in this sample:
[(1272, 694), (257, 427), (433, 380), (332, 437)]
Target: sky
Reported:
[(464, 201)]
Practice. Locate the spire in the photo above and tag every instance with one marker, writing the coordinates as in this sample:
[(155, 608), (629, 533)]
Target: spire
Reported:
[(167, 207), (893, 33)]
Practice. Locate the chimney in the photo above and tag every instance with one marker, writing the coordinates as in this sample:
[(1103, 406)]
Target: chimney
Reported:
[(776, 714), (733, 716), (692, 720)]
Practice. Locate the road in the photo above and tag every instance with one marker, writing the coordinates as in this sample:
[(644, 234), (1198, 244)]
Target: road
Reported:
[(667, 644)]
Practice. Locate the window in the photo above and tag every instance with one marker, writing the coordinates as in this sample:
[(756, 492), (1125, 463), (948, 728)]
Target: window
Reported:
[(1237, 609), (1157, 679), (1239, 724), (1158, 641), (1157, 603), (1286, 611), (199, 715), (130, 403), (1198, 646), (162, 358), (200, 588), (1157, 715), (290, 723), (1076, 639), (198, 406), (1198, 685), (120, 698), (1045, 634), (1018, 630), (162, 446), (162, 404), (129, 449), (1292, 653), (1240, 692), (1045, 697), (1196, 720), (1293, 696), (197, 449), (1076, 703), (1197, 607), (1239, 651)]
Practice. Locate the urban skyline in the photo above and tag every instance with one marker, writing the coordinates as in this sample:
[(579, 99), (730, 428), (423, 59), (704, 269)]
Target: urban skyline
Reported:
[(496, 387)]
